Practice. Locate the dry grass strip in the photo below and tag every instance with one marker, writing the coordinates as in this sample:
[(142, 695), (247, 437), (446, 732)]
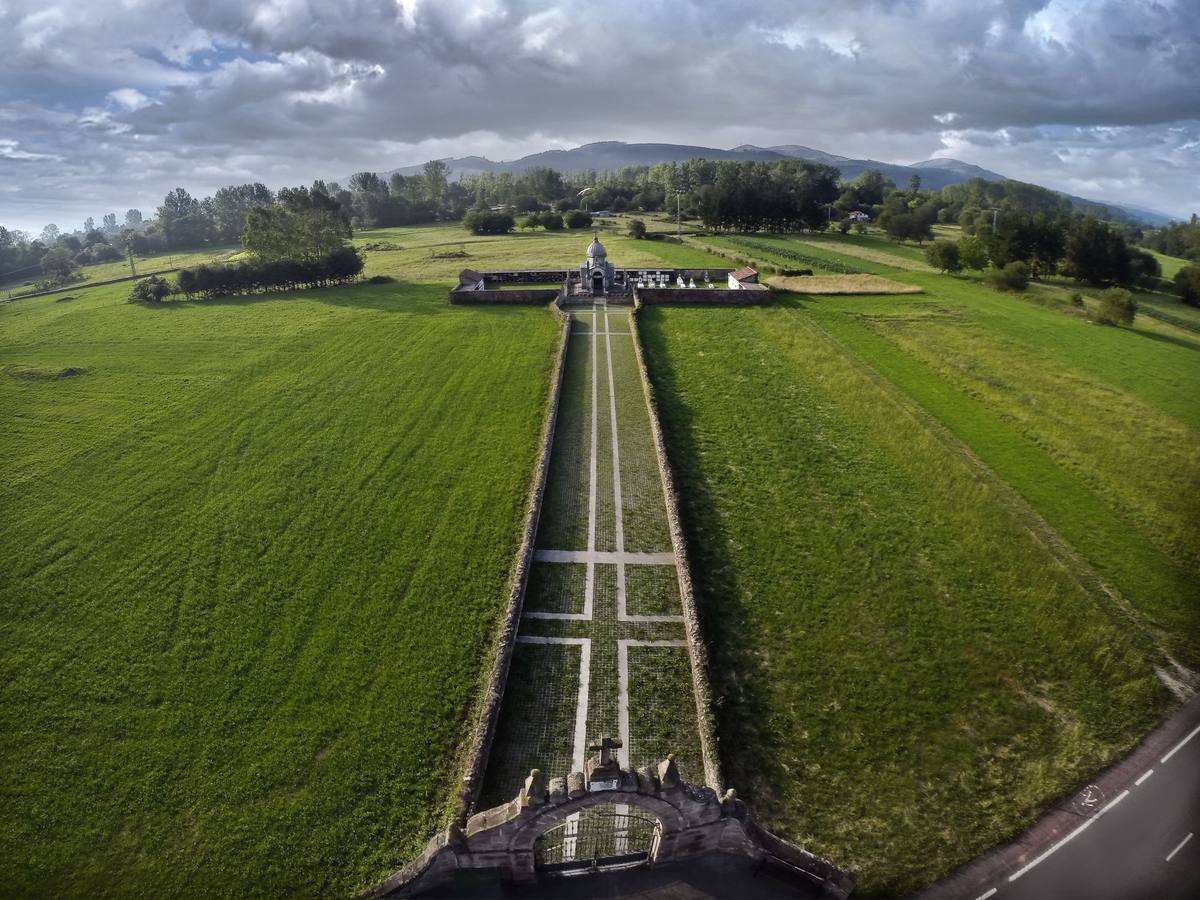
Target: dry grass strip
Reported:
[(841, 284)]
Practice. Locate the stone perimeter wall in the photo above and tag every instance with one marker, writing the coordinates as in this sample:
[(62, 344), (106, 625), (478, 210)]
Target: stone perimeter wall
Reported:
[(706, 296), (532, 297), (480, 745), (697, 650)]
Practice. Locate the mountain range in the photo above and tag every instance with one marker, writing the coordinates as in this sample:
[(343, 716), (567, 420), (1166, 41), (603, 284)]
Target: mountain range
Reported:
[(604, 156)]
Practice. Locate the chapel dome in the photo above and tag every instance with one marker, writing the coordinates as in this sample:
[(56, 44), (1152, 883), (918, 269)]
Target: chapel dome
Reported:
[(596, 249)]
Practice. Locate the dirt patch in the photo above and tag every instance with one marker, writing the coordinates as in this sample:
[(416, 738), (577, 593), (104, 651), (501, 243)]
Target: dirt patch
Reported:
[(34, 373), (841, 284), (66, 299)]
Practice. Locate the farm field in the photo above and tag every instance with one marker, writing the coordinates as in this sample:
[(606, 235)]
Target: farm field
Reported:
[(22, 282), (248, 594), (882, 611)]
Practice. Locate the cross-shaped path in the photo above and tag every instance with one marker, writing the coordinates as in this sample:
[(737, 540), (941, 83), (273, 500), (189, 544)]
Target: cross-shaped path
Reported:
[(601, 648)]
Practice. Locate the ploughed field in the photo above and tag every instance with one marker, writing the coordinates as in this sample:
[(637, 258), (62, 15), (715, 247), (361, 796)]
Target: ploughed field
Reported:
[(257, 553), (944, 544)]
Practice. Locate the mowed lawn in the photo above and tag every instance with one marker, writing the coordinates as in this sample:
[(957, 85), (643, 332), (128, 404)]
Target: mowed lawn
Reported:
[(915, 652), (257, 551)]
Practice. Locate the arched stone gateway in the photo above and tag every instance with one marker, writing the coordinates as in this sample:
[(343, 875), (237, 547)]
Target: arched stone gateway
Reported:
[(689, 820)]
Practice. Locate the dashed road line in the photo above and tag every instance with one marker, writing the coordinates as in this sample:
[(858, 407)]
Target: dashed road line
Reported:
[(985, 896), (1179, 847), (1179, 746), (1143, 777), (1070, 837)]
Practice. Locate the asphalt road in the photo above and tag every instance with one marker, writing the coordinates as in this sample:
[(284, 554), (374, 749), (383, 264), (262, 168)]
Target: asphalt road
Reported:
[(1132, 844)]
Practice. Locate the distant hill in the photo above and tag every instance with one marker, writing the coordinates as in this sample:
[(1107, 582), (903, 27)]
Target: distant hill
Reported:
[(604, 156)]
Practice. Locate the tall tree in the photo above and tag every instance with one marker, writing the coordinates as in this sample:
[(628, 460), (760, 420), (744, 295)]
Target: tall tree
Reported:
[(435, 176), (182, 220)]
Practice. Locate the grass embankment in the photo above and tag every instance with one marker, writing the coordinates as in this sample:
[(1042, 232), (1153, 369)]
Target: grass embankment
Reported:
[(906, 672), (257, 553)]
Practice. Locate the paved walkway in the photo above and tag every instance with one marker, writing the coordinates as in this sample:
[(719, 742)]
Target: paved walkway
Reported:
[(601, 649)]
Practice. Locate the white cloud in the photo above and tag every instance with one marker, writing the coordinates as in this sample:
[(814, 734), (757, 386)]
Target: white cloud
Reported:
[(117, 101), (9, 149)]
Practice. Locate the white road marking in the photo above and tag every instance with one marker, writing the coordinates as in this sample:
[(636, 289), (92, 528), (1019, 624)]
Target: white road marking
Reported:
[(1180, 846), (1179, 746), (1070, 837), (623, 646), (985, 896), (1145, 775), (604, 556), (581, 705)]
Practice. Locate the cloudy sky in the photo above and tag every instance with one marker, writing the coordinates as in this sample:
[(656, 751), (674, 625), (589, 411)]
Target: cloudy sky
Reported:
[(108, 104)]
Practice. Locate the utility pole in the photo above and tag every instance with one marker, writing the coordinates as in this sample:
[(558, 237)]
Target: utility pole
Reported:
[(995, 213), (129, 250), (678, 217)]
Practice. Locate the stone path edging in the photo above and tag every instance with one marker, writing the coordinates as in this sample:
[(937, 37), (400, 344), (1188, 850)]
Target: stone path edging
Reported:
[(489, 710), (697, 651)]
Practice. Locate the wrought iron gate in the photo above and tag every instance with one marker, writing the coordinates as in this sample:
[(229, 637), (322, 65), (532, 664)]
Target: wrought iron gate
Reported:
[(600, 837)]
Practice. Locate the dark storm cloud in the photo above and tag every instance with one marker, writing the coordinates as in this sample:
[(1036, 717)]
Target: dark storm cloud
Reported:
[(111, 104)]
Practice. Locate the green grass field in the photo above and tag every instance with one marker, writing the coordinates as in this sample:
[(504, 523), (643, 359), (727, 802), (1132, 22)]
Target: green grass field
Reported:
[(257, 552), (259, 549), (904, 511)]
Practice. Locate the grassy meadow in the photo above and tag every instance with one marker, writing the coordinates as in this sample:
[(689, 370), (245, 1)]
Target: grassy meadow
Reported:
[(257, 551), (259, 548), (944, 544)]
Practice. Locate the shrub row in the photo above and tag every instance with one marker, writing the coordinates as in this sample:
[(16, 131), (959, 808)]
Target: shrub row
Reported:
[(338, 267)]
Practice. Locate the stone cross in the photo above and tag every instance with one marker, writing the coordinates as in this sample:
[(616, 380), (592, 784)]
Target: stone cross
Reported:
[(606, 746)]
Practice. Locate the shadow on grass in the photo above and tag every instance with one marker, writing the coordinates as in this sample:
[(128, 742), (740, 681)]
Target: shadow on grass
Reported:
[(1188, 343), (748, 760)]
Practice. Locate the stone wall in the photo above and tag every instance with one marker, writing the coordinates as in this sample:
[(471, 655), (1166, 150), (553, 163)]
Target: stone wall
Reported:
[(533, 297), (524, 276), (480, 744), (747, 296), (697, 650)]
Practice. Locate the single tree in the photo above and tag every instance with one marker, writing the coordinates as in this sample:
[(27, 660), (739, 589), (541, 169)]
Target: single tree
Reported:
[(972, 253), (1117, 307), (1013, 277), (150, 290), (1187, 283), (58, 264), (943, 255), (637, 229)]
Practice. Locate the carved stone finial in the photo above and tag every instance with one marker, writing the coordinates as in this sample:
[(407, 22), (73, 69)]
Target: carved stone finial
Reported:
[(668, 773), (536, 788)]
